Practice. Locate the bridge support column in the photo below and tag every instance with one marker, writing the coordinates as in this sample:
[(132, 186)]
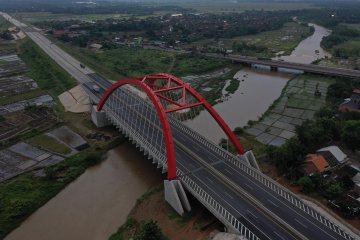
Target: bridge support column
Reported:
[(99, 118), (251, 159), (274, 69), (176, 196)]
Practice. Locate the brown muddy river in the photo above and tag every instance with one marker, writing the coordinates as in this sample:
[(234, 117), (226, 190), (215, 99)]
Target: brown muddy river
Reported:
[(254, 96), (309, 49), (97, 203)]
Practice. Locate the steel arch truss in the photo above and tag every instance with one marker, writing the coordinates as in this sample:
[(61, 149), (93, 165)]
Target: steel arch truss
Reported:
[(169, 94)]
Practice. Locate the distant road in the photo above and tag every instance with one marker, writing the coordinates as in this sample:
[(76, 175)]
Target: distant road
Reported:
[(67, 62), (310, 68)]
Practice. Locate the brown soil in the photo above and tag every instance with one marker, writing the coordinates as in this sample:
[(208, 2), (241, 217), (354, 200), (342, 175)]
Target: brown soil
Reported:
[(196, 225)]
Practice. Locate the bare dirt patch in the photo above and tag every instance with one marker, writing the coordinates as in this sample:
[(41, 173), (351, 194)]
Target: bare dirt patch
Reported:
[(75, 100), (196, 225)]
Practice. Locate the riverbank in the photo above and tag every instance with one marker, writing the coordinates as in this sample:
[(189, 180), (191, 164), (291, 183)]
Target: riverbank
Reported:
[(198, 224)]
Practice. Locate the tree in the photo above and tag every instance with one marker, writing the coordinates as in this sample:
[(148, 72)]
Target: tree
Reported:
[(351, 134), (306, 184), (149, 231), (334, 190)]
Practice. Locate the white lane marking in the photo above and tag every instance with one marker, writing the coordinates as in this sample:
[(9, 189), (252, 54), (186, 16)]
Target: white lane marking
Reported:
[(280, 237), (249, 186), (272, 202), (228, 194), (300, 223), (191, 165), (228, 171), (251, 214), (210, 179)]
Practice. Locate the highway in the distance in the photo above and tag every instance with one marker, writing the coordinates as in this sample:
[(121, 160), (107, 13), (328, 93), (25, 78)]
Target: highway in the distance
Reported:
[(259, 208)]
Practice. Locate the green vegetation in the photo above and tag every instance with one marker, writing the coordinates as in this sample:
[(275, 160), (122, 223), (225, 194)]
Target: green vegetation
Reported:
[(49, 143), (233, 86), (224, 6), (123, 62), (344, 41), (193, 64), (329, 126), (351, 134), (4, 25), (22, 196), (266, 44), (263, 44), (49, 76), (24, 96), (146, 230), (137, 62)]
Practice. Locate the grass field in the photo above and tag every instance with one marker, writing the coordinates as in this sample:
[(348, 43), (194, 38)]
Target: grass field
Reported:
[(34, 17), (50, 143), (283, 40), (4, 25), (137, 62), (24, 96), (49, 76), (219, 7), (349, 48)]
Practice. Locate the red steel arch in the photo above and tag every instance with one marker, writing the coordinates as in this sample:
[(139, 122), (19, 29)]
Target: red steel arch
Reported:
[(169, 143), (154, 91)]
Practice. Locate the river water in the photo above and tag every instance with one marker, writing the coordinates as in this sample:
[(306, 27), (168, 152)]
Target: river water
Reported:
[(97, 203), (309, 49), (259, 90)]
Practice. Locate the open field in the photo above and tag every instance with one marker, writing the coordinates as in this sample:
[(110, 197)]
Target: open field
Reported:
[(220, 7), (4, 25), (15, 85), (296, 104), (137, 62), (48, 75), (49, 143), (23, 96), (284, 39), (34, 17), (349, 48), (197, 224), (267, 43)]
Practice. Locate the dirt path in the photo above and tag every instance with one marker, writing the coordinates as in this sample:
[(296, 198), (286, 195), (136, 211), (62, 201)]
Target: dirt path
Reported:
[(172, 64)]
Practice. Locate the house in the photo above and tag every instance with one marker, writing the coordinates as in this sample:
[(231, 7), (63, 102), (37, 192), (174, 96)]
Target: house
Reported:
[(95, 46), (333, 155), (351, 104), (356, 180), (315, 163), (59, 33)]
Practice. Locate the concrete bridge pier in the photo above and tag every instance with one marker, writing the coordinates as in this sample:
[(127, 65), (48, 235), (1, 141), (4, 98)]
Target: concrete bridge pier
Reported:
[(273, 68), (176, 196), (99, 118)]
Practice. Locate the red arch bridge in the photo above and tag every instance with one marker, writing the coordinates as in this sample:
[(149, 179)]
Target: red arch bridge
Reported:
[(151, 112)]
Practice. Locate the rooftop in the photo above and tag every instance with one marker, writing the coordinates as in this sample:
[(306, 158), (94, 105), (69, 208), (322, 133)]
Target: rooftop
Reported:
[(315, 163)]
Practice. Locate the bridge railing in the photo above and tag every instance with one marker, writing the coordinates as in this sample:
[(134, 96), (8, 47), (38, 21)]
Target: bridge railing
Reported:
[(212, 205), (215, 208), (265, 180), (241, 165), (136, 137)]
